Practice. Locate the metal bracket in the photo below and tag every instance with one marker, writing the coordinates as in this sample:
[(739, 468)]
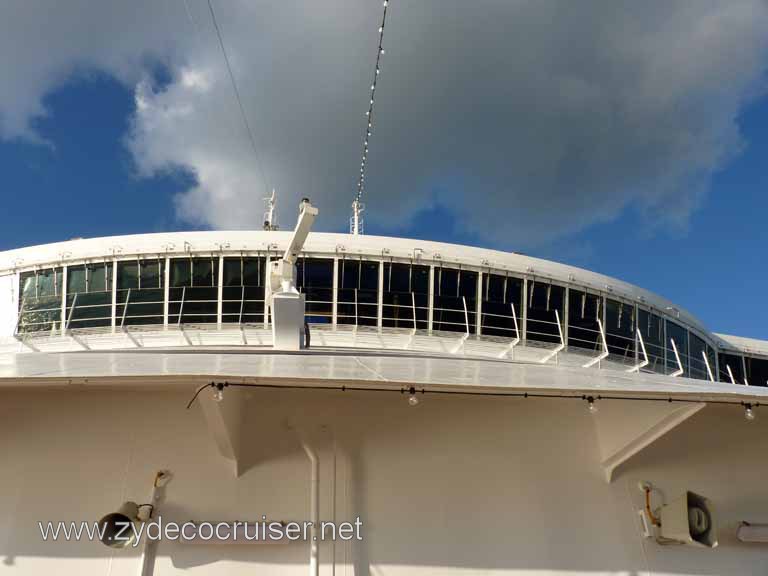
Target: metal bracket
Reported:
[(680, 370), (510, 349), (464, 338), (645, 360), (604, 354), (560, 347)]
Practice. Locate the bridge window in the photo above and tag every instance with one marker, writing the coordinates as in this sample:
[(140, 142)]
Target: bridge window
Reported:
[(40, 305), (358, 286), (651, 328), (193, 294), (243, 291), (140, 295), (314, 279), (698, 349), (406, 296), (89, 296), (757, 371), (584, 310), (733, 362), (455, 300), (620, 330), (543, 300), (502, 296)]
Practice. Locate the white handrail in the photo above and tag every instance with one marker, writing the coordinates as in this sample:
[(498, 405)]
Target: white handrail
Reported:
[(645, 360), (604, 354), (680, 370), (516, 340), (706, 362), (560, 347), (464, 338)]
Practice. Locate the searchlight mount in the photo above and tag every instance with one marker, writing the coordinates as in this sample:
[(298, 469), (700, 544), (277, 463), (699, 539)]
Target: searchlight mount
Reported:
[(286, 303)]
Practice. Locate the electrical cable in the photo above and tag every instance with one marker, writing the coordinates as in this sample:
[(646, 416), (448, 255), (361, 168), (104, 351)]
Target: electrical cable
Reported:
[(237, 96), (402, 390)]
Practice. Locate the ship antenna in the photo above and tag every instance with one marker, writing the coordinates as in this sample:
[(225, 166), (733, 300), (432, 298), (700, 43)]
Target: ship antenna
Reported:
[(356, 221), (270, 216)]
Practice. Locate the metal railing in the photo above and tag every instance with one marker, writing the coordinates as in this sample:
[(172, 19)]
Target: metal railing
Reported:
[(407, 310)]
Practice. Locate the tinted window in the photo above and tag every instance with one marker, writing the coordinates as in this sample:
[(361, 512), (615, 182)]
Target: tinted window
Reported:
[(140, 292), (736, 366), (584, 310), (40, 305), (651, 328), (406, 296), (358, 292), (757, 371), (455, 300), (620, 329), (89, 296), (544, 300), (700, 354), (502, 297), (243, 292), (127, 275), (315, 280)]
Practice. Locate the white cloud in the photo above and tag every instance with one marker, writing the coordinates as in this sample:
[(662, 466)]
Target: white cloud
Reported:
[(532, 119)]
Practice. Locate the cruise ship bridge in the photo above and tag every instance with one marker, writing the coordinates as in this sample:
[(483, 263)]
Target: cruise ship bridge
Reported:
[(524, 370)]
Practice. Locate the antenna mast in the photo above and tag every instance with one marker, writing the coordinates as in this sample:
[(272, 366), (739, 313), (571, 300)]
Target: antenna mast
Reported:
[(269, 215), (356, 221)]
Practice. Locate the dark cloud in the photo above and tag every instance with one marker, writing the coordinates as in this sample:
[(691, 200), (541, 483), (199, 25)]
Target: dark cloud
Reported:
[(531, 119)]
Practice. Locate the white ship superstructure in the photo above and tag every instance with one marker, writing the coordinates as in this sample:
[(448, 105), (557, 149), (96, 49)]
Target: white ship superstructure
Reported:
[(481, 412)]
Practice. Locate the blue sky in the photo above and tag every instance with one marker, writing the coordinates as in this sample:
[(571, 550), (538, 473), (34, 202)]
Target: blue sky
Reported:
[(130, 144)]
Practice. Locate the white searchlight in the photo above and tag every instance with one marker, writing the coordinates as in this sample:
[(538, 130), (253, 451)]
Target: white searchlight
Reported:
[(118, 529), (287, 304)]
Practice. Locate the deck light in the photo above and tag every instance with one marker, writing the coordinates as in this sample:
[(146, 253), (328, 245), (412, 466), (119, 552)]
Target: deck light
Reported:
[(749, 414), (412, 399), (218, 393), (591, 406)]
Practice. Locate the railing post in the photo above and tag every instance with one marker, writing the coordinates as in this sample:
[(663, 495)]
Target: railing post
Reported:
[(63, 316), (181, 307), (431, 298), (220, 293), (125, 308), (604, 354), (561, 346), (335, 294), (516, 340), (479, 304), (357, 315), (113, 314), (242, 305), (706, 363), (380, 297), (71, 312), (680, 370), (464, 338), (166, 290), (645, 360)]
